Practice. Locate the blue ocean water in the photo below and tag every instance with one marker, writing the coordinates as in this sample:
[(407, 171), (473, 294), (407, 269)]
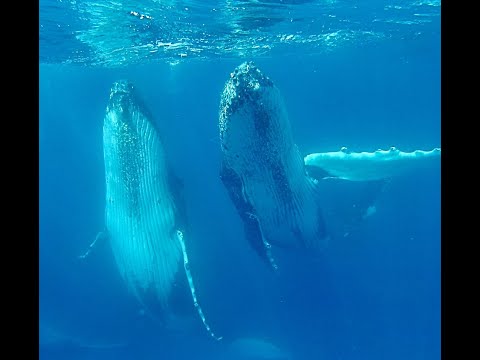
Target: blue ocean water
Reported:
[(365, 75)]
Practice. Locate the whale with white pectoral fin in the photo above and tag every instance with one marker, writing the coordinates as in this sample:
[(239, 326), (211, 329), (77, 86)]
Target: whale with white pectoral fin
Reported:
[(362, 176), (145, 217), (263, 170), (368, 166)]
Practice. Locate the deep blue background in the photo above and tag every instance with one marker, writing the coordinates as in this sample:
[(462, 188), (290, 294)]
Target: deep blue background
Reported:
[(375, 295)]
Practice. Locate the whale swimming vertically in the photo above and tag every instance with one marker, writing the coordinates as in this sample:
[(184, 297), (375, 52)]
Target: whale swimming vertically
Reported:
[(262, 168), (144, 213)]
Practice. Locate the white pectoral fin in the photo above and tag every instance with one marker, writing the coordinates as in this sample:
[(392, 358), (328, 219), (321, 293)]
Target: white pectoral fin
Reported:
[(255, 235), (316, 172), (102, 235), (186, 265), (252, 228)]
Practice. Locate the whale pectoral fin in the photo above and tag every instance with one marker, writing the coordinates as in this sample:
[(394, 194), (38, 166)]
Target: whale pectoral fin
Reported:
[(316, 172), (186, 266), (254, 234), (102, 235), (252, 228)]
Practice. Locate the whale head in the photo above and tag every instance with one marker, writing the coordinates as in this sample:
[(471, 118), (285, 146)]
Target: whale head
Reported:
[(252, 112), (122, 97)]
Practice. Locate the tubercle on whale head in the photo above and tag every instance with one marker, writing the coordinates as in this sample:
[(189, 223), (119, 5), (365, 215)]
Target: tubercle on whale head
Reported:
[(244, 86), (244, 81), (249, 77), (121, 87), (121, 96), (124, 98)]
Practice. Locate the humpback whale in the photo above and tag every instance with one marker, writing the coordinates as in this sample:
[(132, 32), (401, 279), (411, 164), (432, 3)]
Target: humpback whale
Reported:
[(144, 211), (262, 168), (360, 177), (368, 166)]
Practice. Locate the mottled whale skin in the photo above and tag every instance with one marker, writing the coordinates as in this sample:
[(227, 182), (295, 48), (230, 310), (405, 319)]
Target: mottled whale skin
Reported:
[(144, 212), (141, 215), (368, 166), (262, 168)]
